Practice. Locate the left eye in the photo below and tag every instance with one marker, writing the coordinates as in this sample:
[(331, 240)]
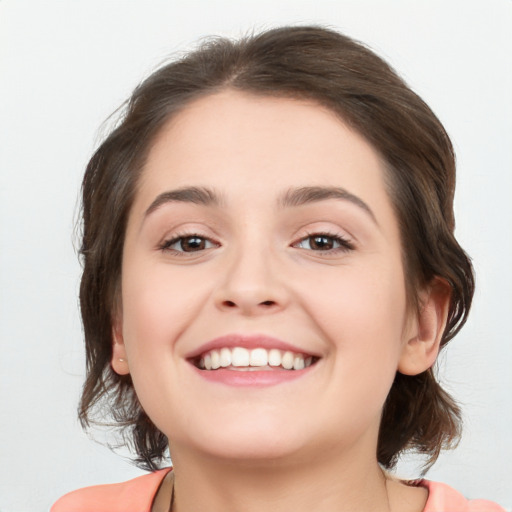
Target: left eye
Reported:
[(324, 242), (192, 243)]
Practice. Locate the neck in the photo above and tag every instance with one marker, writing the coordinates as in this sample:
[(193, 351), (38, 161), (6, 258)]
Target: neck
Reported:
[(330, 484)]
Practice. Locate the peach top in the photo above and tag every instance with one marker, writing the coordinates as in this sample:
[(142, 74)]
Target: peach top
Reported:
[(137, 495)]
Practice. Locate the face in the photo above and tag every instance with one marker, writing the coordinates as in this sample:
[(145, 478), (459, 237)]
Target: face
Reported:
[(263, 295)]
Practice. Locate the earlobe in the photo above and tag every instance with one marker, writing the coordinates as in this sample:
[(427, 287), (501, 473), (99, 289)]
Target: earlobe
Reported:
[(423, 342), (119, 361)]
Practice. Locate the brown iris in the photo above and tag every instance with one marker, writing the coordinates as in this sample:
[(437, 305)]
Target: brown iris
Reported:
[(192, 243), (321, 242)]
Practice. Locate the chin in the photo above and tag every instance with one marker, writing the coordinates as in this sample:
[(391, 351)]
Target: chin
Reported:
[(251, 443), (256, 452)]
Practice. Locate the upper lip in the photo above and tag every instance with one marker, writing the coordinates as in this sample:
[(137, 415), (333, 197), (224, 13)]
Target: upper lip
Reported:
[(247, 341)]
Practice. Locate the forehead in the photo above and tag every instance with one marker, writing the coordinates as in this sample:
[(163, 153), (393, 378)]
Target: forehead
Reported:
[(257, 146)]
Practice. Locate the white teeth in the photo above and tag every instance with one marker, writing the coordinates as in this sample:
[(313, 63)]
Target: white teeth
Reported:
[(298, 363), (259, 357), (287, 360), (240, 357), (215, 359), (274, 357), (225, 357), (245, 359)]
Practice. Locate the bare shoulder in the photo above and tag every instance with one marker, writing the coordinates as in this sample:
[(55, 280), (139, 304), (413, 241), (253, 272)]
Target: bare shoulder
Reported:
[(134, 495), (443, 498)]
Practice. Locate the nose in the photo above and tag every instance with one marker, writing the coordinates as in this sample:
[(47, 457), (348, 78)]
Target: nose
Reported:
[(252, 284)]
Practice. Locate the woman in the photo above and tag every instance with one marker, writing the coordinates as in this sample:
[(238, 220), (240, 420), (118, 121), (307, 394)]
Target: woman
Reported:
[(270, 272)]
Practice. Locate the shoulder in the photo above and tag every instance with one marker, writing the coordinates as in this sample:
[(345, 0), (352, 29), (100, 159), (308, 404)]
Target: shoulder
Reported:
[(135, 495), (443, 498)]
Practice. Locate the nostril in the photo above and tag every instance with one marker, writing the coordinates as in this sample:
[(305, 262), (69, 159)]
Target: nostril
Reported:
[(231, 304)]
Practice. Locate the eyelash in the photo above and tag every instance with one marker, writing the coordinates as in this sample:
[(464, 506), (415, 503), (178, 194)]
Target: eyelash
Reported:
[(344, 245), (167, 244)]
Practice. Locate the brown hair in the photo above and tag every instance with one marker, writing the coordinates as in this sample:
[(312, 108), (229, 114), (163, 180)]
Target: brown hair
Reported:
[(297, 62)]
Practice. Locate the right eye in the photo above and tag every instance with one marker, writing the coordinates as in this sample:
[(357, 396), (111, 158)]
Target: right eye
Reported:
[(187, 243), (326, 243)]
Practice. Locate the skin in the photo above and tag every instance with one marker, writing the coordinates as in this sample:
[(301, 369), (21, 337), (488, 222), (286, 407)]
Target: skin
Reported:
[(305, 444)]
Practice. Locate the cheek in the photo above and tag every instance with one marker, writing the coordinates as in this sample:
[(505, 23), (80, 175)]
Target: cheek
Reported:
[(362, 312), (362, 300), (158, 304)]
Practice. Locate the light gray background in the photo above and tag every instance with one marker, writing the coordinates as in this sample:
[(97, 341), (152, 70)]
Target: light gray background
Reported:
[(65, 66)]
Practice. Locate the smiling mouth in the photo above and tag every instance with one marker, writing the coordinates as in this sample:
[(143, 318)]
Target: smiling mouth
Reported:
[(256, 359)]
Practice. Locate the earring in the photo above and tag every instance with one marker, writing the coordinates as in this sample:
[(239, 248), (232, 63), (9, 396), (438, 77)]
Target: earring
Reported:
[(121, 360)]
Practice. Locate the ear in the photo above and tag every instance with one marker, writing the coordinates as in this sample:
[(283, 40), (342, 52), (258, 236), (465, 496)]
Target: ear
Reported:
[(426, 329), (119, 360)]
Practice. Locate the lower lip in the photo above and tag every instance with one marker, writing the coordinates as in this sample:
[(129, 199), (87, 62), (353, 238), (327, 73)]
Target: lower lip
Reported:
[(252, 378)]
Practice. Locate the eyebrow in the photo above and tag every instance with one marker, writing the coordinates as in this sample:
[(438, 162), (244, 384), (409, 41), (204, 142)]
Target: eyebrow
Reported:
[(290, 199), (305, 195), (196, 195)]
